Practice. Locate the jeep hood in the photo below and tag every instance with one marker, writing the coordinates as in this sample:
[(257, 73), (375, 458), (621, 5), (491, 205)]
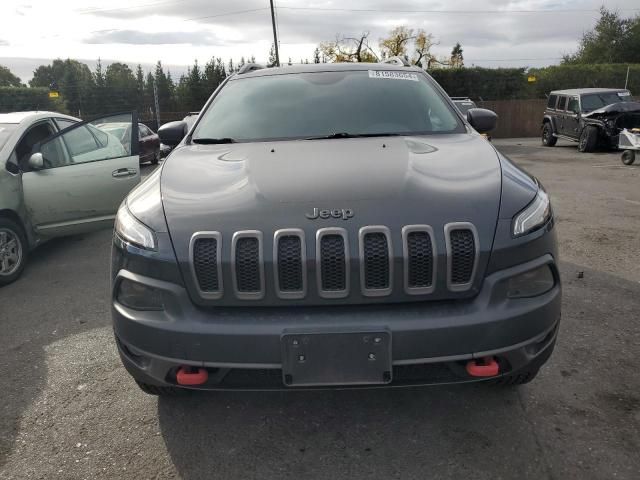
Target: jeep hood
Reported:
[(614, 110), (392, 181)]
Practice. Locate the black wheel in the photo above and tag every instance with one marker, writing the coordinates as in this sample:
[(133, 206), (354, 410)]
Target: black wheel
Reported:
[(519, 378), (548, 140), (162, 391), (13, 251), (588, 139), (628, 157), (156, 157)]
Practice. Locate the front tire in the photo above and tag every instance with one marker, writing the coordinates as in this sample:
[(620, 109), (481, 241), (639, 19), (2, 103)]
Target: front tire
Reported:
[(521, 377), (588, 139), (13, 251), (162, 391), (548, 140), (628, 157)]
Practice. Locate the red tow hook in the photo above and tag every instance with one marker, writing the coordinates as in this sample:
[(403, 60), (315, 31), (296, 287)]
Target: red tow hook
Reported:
[(191, 376), (483, 367)]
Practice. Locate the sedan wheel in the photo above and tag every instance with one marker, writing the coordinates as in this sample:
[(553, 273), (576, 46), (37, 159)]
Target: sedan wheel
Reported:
[(12, 251)]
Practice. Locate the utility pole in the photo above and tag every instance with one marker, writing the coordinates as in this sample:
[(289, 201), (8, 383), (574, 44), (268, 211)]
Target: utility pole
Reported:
[(626, 82), (155, 98), (275, 34)]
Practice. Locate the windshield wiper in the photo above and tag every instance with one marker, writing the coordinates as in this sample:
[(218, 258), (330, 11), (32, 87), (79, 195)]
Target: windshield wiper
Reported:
[(353, 135), (213, 141)]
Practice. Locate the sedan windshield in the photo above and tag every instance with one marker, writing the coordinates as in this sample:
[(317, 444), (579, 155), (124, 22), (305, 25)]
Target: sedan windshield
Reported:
[(326, 104), (6, 129), (598, 100)]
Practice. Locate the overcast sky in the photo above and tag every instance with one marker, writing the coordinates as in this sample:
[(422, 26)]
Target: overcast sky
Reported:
[(492, 33)]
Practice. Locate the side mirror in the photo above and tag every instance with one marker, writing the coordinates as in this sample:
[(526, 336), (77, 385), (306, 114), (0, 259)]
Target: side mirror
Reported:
[(172, 133), (36, 161), (482, 120)]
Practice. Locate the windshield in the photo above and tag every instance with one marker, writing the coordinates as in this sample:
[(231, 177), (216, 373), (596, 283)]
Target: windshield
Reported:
[(594, 101), (308, 105), (6, 129)]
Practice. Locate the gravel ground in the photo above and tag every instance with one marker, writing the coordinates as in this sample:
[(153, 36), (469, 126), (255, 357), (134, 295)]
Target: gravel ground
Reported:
[(68, 409)]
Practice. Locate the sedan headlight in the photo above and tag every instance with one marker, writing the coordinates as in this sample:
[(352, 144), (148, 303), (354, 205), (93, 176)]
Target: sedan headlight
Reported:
[(130, 229), (537, 214)]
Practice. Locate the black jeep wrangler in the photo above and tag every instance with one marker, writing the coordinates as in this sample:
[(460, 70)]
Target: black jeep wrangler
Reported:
[(592, 117)]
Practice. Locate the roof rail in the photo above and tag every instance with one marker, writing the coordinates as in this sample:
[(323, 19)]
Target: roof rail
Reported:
[(399, 61), (250, 67)]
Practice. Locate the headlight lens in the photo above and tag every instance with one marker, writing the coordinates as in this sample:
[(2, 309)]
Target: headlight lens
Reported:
[(534, 216), (531, 283), (138, 296), (129, 228)]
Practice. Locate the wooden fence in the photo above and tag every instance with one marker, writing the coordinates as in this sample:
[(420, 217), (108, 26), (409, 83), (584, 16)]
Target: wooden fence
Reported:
[(517, 118)]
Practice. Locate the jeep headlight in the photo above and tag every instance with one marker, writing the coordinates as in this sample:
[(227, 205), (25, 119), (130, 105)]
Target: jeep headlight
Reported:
[(131, 230), (534, 216)]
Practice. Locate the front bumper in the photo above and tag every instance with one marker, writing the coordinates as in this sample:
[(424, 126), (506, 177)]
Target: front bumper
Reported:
[(431, 341)]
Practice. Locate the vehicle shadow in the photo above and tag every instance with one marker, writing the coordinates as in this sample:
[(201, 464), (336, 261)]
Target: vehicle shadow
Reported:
[(455, 431), (63, 291)]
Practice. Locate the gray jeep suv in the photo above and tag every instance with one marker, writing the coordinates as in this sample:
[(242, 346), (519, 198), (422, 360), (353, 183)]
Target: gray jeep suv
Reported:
[(334, 225)]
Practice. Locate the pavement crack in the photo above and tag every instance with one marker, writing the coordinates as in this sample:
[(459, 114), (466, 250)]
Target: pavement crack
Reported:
[(541, 450)]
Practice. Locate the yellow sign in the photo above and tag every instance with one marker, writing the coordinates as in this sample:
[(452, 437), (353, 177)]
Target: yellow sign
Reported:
[(54, 94), (532, 79)]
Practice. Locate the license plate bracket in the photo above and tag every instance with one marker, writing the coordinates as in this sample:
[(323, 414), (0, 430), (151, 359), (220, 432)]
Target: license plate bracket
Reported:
[(336, 358)]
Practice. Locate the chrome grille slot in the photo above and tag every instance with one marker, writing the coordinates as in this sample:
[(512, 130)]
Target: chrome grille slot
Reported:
[(290, 259), (205, 253), (247, 267), (419, 259), (332, 257), (462, 255), (376, 261)]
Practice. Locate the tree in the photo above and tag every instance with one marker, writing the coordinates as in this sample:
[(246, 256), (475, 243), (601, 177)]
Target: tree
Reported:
[(395, 45), (457, 60), (8, 79), (272, 62), (347, 49), (316, 55), (613, 40), (422, 46), (121, 89)]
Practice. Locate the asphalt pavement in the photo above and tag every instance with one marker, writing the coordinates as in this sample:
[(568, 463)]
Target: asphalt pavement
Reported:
[(69, 410)]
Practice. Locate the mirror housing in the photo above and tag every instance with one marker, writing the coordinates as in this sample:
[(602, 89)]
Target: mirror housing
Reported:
[(482, 120), (172, 133), (36, 161)]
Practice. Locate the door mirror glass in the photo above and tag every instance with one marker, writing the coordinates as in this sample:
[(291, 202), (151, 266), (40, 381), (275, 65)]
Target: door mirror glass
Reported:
[(36, 161), (482, 120), (104, 138), (172, 133)]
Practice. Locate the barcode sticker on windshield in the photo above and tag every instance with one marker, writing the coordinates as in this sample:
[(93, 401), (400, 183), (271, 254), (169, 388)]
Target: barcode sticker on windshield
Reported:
[(393, 75), (624, 94)]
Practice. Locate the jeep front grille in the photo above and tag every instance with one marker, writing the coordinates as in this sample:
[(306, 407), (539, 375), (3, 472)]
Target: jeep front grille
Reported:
[(205, 250), (247, 264), (462, 256), (333, 257), (332, 260)]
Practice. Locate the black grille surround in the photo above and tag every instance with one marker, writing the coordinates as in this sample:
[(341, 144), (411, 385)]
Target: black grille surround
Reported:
[(333, 252), (376, 261), (462, 255)]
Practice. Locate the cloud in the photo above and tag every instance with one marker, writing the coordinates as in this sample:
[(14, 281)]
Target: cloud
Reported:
[(134, 37), (3, 43)]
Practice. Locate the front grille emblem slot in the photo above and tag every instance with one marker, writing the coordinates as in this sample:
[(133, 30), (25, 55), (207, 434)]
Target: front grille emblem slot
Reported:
[(462, 255), (206, 266), (419, 253), (332, 267), (376, 261), (290, 263), (247, 265)]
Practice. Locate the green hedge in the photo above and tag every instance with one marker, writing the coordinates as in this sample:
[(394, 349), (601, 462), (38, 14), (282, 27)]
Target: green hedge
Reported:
[(512, 83), (15, 99)]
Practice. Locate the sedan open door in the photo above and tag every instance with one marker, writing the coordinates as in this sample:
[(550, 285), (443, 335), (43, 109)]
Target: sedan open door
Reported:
[(77, 178)]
